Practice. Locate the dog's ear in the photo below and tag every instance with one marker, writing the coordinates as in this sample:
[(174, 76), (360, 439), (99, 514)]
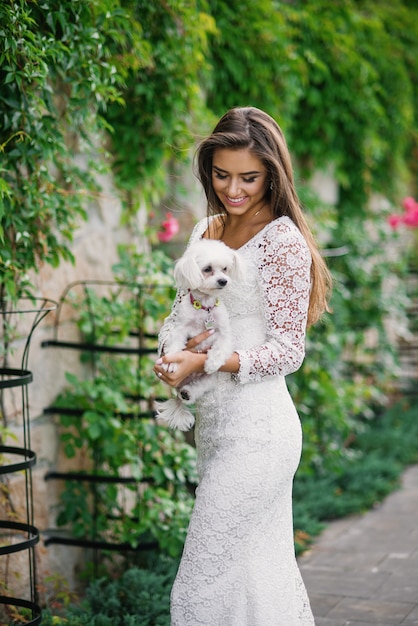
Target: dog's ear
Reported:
[(238, 269), (187, 273)]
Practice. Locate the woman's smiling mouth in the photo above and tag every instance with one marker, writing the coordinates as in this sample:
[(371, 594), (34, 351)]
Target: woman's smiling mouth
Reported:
[(236, 200)]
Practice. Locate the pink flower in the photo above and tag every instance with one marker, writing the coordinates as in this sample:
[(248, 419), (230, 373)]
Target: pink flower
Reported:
[(409, 203), (170, 228), (394, 220), (409, 218), (411, 215)]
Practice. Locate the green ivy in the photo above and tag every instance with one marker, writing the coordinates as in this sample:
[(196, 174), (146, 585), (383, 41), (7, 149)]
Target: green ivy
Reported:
[(252, 60), (341, 78), (161, 101), (60, 66)]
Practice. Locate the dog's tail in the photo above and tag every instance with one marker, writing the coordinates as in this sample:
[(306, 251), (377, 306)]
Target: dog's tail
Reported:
[(173, 413)]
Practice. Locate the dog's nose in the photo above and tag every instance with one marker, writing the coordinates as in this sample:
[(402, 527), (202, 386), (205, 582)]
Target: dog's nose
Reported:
[(222, 282)]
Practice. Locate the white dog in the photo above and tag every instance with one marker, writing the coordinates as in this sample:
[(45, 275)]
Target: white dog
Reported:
[(205, 268)]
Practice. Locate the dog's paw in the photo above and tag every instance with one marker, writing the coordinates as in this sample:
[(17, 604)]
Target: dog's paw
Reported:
[(186, 394), (213, 364)]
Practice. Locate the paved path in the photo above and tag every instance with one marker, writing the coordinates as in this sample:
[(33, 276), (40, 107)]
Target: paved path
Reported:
[(363, 570)]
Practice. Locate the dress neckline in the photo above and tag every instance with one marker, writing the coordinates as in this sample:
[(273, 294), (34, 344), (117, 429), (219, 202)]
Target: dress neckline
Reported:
[(273, 221)]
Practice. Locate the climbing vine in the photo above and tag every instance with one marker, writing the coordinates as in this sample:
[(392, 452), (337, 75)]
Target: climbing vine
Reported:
[(340, 77), (157, 117), (60, 67)]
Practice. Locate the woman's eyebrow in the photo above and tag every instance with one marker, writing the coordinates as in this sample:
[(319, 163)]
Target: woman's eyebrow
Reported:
[(219, 169)]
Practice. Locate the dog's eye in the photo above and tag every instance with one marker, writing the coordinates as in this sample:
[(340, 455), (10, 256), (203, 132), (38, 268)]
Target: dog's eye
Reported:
[(208, 269), (225, 269)]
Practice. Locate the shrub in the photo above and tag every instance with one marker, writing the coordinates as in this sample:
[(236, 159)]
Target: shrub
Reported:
[(139, 597)]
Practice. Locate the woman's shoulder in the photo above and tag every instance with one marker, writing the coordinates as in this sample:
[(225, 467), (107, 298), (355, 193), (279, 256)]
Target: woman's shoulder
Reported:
[(283, 228)]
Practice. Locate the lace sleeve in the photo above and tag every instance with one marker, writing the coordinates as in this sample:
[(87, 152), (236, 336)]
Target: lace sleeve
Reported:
[(283, 262)]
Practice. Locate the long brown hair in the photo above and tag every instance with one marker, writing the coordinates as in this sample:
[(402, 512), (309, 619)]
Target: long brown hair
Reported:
[(251, 128)]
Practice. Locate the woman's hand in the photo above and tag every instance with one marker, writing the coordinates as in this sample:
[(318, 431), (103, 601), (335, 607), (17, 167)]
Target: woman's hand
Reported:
[(194, 342), (174, 368), (187, 363)]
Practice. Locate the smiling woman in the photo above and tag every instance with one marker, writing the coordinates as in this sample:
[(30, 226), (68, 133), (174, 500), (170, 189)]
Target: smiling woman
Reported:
[(240, 181), (238, 566)]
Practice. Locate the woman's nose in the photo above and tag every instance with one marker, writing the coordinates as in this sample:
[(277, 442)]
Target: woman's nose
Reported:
[(234, 188)]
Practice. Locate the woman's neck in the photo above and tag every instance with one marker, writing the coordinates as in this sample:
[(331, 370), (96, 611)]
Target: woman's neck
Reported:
[(237, 230), (236, 222)]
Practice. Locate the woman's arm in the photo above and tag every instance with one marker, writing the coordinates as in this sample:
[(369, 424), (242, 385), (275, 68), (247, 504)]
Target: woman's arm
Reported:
[(283, 263)]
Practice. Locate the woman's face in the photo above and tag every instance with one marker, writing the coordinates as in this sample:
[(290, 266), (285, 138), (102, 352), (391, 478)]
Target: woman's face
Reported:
[(239, 180)]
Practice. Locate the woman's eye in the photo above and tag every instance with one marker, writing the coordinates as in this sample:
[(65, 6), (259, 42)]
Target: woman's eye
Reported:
[(220, 176), (249, 180)]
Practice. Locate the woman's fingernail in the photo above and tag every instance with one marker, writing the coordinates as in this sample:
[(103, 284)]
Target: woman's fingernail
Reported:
[(212, 330), (159, 361)]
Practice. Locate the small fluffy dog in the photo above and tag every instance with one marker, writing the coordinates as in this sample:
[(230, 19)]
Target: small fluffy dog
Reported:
[(205, 268)]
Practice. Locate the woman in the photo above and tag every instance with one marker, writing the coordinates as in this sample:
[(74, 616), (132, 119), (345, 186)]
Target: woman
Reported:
[(238, 566)]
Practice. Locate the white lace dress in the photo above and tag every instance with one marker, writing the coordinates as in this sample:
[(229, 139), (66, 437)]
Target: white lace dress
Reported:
[(238, 566)]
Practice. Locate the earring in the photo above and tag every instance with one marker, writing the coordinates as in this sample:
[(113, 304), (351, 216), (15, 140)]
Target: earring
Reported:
[(271, 185)]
